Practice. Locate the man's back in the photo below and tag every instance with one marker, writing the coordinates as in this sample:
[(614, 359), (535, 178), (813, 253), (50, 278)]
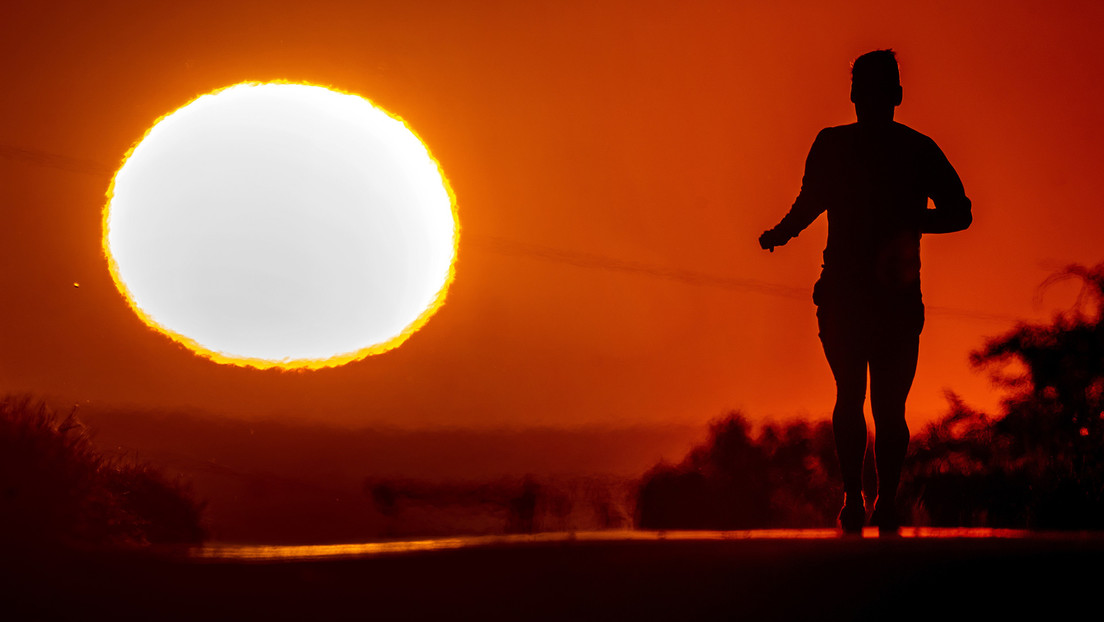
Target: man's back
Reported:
[(874, 181)]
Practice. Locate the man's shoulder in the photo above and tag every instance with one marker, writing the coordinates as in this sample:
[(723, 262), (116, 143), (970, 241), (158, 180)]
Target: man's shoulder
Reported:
[(910, 134), (839, 134), (838, 130), (899, 129), (834, 136), (903, 136)]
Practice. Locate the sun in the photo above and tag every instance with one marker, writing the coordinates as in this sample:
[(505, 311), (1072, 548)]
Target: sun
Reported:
[(281, 225)]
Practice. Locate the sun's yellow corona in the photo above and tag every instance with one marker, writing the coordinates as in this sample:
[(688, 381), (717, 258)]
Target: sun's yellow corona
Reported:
[(281, 225)]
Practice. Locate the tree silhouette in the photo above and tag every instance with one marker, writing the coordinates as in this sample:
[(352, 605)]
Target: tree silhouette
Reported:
[(786, 477), (803, 473), (720, 485), (1041, 463)]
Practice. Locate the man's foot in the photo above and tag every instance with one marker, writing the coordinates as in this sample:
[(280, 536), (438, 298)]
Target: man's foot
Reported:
[(852, 517), (886, 519)]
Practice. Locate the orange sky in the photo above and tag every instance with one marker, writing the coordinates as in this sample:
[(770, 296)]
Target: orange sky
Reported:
[(580, 138)]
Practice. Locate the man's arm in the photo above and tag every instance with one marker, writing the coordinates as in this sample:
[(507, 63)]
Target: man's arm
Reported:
[(810, 202), (952, 208)]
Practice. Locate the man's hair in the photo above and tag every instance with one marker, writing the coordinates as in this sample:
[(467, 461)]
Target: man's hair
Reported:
[(876, 68)]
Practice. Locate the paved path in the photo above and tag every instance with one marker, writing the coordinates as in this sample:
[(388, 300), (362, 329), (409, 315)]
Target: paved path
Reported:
[(648, 576)]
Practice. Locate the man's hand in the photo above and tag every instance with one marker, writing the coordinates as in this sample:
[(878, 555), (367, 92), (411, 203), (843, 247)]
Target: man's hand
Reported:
[(772, 238)]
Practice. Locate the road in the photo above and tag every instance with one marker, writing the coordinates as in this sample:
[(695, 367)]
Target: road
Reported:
[(676, 576)]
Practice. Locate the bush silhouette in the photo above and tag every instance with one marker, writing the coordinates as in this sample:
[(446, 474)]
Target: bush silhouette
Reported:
[(787, 477), (1040, 464), (57, 489)]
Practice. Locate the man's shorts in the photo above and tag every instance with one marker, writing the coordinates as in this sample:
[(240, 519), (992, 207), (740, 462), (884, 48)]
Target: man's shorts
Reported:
[(869, 328)]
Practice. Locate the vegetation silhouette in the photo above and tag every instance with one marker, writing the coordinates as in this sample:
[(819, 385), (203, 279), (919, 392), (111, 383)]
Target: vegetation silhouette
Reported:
[(57, 489), (784, 478), (1038, 464), (873, 178)]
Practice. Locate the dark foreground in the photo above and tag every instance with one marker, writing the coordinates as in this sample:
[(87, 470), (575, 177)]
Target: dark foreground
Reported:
[(581, 579)]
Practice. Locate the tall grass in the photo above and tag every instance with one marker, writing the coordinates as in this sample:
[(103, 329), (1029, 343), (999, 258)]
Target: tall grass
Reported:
[(57, 488)]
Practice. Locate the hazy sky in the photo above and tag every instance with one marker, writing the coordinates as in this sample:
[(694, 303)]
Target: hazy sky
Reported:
[(614, 163)]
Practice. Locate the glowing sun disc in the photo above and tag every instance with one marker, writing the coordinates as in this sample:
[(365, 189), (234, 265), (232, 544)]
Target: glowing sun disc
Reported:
[(281, 225)]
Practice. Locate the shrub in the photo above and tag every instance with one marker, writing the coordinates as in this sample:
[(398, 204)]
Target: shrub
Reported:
[(57, 488)]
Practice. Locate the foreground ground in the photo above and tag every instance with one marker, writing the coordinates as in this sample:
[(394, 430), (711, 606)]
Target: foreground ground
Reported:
[(754, 576)]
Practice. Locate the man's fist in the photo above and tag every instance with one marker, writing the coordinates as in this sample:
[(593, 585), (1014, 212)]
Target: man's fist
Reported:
[(772, 238)]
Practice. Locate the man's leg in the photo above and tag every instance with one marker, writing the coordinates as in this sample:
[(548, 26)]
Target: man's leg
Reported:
[(892, 369), (846, 357), (849, 426)]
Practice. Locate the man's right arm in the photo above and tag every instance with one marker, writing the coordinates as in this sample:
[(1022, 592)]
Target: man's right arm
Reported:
[(810, 201)]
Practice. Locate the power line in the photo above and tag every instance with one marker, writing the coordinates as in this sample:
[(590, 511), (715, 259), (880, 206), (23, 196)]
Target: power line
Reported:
[(588, 260), (601, 262), (504, 246), (51, 160)]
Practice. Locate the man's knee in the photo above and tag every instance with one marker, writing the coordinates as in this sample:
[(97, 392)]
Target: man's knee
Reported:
[(850, 400), (851, 387), (891, 429)]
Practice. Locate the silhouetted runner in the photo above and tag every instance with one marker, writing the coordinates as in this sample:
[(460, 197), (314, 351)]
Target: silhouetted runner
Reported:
[(874, 178)]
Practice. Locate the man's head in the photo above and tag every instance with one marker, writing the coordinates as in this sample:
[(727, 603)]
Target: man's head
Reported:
[(875, 85)]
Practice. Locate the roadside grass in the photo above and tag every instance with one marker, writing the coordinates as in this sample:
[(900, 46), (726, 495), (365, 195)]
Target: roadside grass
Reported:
[(57, 488)]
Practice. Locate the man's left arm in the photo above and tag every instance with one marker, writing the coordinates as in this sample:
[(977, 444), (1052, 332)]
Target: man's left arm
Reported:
[(952, 208)]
